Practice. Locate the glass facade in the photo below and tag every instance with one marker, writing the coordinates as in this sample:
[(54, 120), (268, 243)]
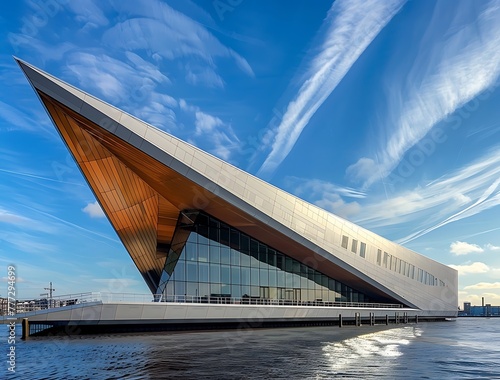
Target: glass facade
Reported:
[(209, 258)]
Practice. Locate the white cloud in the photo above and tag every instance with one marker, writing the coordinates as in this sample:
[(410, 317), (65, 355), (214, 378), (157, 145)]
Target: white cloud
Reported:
[(474, 268), (351, 27), (463, 248), (94, 210), (220, 136), (88, 13), (131, 84), (443, 79), (491, 247), (327, 195), (484, 285)]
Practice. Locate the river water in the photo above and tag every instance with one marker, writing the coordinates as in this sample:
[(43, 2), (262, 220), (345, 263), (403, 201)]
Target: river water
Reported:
[(468, 348)]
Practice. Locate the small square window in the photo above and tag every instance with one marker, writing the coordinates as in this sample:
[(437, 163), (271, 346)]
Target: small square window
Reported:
[(354, 246), (362, 250), (345, 241)]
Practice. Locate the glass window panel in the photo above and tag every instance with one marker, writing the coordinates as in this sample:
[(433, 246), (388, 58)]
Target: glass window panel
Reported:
[(245, 243), (236, 291), (180, 271), (324, 281), (214, 254), (317, 278), (331, 284), (254, 261), (254, 247), (296, 281), (271, 257), (254, 276), (310, 274), (280, 260), (263, 255), (264, 277), (245, 259), (214, 230), (226, 290), (224, 255), (255, 291), (281, 278), (180, 288), (225, 274), (288, 280), (245, 276), (303, 282), (273, 277), (192, 238), (191, 271), (235, 239), (202, 234), (214, 273), (224, 234), (235, 275), (203, 253), (203, 289), (203, 272), (379, 256), (192, 289), (235, 257), (191, 252), (296, 267), (215, 290), (289, 264), (245, 291)]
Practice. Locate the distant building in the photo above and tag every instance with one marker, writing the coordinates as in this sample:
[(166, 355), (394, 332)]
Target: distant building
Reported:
[(479, 311)]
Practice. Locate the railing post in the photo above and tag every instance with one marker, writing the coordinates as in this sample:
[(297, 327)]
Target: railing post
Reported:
[(340, 320)]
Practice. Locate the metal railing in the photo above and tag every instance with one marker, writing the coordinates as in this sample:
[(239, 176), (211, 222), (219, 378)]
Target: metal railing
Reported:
[(72, 300)]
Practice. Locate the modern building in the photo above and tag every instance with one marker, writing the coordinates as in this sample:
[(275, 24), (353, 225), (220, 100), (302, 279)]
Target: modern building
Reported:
[(199, 229)]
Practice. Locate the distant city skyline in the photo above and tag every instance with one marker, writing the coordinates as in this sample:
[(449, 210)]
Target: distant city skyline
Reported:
[(384, 113)]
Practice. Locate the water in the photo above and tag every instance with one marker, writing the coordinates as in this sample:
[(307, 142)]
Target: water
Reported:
[(465, 349)]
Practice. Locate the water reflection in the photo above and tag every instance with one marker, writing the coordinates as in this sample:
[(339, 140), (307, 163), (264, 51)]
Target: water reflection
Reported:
[(379, 348)]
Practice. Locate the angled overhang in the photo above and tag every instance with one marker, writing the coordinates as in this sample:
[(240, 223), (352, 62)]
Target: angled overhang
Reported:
[(143, 178)]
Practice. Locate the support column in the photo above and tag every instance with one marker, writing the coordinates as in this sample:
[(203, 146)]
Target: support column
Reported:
[(25, 329), (340, 320)]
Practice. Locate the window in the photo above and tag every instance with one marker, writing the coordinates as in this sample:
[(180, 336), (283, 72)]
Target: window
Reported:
[(354, 246), (362, 250), (386, 259), (345, 241), (379, 256)]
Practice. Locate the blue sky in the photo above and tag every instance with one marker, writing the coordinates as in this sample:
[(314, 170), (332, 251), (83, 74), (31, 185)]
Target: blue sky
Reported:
[(383, 112)]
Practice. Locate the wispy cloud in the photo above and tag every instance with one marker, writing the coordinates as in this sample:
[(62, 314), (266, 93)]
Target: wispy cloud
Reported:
[(458, 195), (132, 84), (157, 27), (444, 78), (462, 248), (492, 247), (88, 13), (350, 27), (221, 137), (327, 195)]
